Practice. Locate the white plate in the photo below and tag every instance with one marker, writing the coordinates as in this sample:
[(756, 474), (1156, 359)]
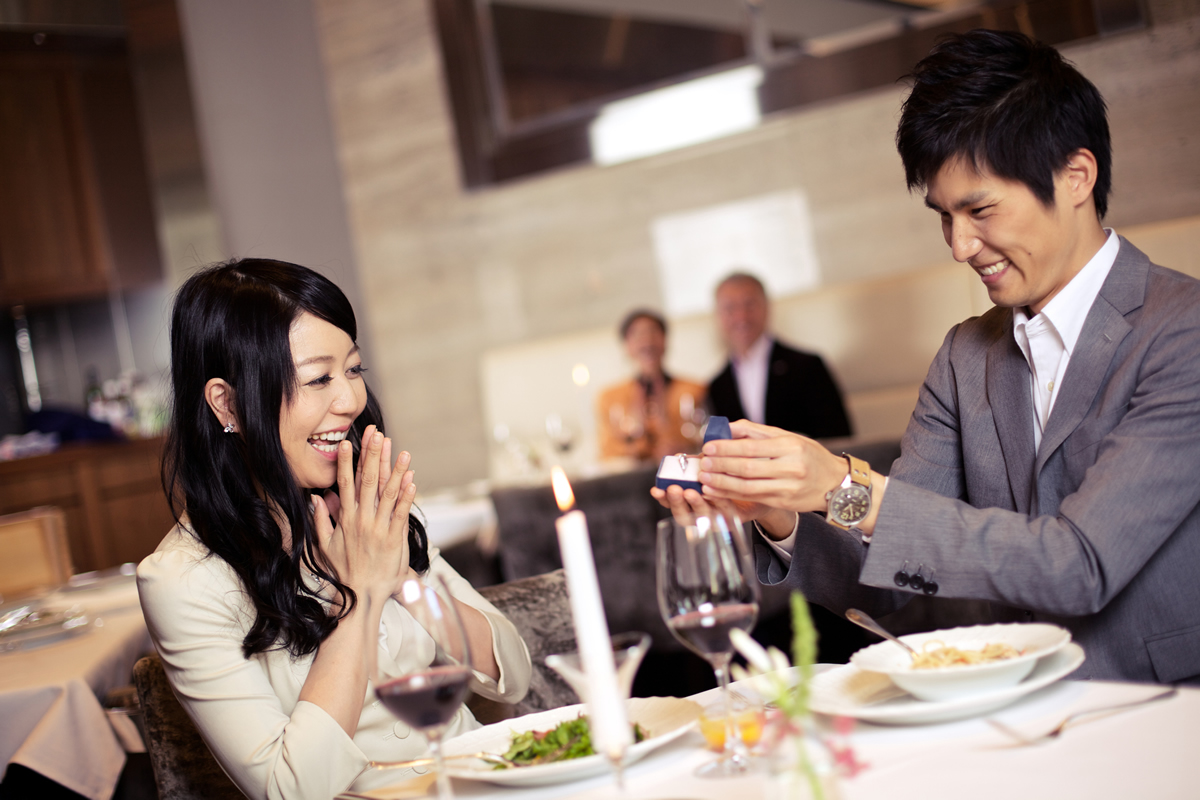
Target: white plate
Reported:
[(872, 697), (1032, 640), (666, 718)]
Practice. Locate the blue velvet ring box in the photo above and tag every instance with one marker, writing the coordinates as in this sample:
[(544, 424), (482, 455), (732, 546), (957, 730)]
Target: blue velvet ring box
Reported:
[(684, 471)]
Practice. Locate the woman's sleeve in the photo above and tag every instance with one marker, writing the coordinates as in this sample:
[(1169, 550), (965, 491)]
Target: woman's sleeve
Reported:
[(271, 747), (507, 645)]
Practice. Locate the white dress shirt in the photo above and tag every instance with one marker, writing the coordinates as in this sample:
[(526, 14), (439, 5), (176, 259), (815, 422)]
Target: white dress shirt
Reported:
[(751, 372), (1047, 340)]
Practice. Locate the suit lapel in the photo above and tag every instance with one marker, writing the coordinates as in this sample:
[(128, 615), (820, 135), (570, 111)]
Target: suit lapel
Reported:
[(724, 391), (776, 396), (1105, 326), (1012, 410)]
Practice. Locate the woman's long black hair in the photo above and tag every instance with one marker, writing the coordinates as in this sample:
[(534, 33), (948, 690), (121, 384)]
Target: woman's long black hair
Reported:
[(232, 321)]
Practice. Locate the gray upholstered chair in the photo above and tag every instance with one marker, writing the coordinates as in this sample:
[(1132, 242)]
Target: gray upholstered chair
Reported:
[(622, 519), (184, 768), (540, 609)]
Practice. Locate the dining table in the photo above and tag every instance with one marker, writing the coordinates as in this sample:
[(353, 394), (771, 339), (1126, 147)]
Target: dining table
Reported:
[(1147, 751), (52, 715)]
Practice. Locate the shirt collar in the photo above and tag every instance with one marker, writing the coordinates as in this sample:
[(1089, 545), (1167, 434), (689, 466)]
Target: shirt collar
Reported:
[(1067, 310), (758, 352)]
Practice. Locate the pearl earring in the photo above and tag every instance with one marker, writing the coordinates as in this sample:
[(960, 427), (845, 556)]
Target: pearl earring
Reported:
[(228, 427)]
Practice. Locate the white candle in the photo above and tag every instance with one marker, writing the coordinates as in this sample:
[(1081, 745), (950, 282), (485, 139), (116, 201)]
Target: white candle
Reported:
[(611, 732)]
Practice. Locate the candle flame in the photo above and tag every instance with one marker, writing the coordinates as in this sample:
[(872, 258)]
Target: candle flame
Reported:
[(562, 488)]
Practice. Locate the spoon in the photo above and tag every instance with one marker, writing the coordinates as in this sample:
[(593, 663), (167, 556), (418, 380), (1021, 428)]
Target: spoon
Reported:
[(864, 620)]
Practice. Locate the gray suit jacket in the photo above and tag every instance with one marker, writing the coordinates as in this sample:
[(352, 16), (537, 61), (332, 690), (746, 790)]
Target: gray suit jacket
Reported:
[(1098, 530)]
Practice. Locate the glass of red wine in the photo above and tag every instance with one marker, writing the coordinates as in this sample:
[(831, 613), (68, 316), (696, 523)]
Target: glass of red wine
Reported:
[(428, 698), (706, 588)]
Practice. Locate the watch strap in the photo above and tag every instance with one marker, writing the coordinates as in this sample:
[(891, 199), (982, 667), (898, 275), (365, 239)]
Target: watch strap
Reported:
[(860, 471)]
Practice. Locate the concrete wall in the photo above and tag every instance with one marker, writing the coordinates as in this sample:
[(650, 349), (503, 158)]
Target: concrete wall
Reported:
[(449, 276), (264, 126)]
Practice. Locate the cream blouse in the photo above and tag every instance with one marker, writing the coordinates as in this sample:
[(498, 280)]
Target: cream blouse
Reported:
[(272, 744)]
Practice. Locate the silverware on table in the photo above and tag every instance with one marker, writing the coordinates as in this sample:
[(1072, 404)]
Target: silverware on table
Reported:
[(491, 758), (1057, 730), (864, 620)]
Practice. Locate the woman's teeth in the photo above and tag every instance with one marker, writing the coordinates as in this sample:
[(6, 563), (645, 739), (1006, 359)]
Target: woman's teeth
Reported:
[(992, 269), (327, 442)]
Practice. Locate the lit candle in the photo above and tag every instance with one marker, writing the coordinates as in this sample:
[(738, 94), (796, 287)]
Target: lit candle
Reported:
[(611, 733)]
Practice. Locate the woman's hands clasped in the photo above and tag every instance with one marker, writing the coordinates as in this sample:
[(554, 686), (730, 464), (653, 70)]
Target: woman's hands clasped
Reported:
[(367, 546)]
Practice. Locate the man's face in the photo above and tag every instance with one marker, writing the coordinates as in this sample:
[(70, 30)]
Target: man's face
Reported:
[(646, 344), (1021, 250), (742, 313)]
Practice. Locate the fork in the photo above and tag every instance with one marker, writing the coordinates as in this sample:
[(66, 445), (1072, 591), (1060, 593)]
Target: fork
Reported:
[(491, 758), (1057, 730)]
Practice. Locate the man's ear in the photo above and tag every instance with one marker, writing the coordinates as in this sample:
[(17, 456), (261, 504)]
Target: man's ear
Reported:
[(1078, 178), (219, 396)]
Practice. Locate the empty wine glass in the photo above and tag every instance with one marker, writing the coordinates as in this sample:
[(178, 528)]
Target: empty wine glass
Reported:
[(559, 432), (628, 651), (428, 698), (706, 588)]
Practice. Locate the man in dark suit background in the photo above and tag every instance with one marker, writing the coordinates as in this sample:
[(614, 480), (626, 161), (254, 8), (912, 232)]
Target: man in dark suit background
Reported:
[(766, 381)]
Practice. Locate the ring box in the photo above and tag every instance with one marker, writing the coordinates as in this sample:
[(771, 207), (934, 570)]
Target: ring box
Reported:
[(684, 470)]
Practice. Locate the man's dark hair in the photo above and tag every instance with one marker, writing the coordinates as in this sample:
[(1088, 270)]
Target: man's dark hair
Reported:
[(642, 313), (1006, 103)]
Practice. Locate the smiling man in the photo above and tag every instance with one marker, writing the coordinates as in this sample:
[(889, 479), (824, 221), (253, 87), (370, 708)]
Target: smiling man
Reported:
[(1052, 463)]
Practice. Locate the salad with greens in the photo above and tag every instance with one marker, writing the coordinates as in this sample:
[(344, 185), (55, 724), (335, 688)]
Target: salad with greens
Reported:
[(571, 739)]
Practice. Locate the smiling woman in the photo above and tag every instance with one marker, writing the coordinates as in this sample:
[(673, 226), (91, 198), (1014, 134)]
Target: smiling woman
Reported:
[(331, 394), (272, 599)]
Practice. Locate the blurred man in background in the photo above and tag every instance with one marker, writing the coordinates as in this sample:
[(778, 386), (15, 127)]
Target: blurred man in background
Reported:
[(766, 381)]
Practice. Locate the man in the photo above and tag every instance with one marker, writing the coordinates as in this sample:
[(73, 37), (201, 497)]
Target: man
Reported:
[(653, 414), (1051, 463), (766, 381)]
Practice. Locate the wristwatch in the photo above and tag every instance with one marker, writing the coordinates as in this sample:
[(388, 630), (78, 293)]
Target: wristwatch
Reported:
[(850, 502)]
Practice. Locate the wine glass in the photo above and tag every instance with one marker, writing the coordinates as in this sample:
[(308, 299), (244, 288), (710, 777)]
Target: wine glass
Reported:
[(628, 651), (706, 588), (429, 697)]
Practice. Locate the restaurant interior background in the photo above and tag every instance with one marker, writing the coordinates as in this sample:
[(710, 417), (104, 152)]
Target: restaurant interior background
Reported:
[(487, 261)]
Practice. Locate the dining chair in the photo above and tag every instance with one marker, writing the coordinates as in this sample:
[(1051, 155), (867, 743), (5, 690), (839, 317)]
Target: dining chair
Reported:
[(540, 609), (33, 551), (184, 768)]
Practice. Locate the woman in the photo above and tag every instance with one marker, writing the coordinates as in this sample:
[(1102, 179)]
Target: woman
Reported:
[(271, 600)]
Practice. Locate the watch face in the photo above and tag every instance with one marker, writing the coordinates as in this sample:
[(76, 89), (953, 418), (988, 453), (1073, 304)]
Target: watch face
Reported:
[(850, 504)]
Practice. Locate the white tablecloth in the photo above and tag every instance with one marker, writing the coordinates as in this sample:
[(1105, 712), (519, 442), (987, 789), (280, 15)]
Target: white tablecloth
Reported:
[(450, 521), (51, 715), (1147, 752)]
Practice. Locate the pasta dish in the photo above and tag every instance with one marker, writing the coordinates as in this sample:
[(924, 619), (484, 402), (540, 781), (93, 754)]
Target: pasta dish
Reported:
[(942, 655)]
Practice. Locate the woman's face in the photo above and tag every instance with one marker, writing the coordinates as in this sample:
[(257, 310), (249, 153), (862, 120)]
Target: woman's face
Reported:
[(330, 397)]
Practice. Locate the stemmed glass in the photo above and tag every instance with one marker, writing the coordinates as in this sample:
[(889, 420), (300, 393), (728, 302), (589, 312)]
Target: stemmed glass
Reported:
[(706, 588), (429, 697), (628, 651)]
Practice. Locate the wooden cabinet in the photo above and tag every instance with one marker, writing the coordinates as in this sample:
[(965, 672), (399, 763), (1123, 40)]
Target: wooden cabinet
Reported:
[(111, 494), (76, 216)]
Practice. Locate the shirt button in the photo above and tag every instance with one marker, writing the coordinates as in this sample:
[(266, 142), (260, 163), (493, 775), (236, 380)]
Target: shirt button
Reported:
[(1050, 386)]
